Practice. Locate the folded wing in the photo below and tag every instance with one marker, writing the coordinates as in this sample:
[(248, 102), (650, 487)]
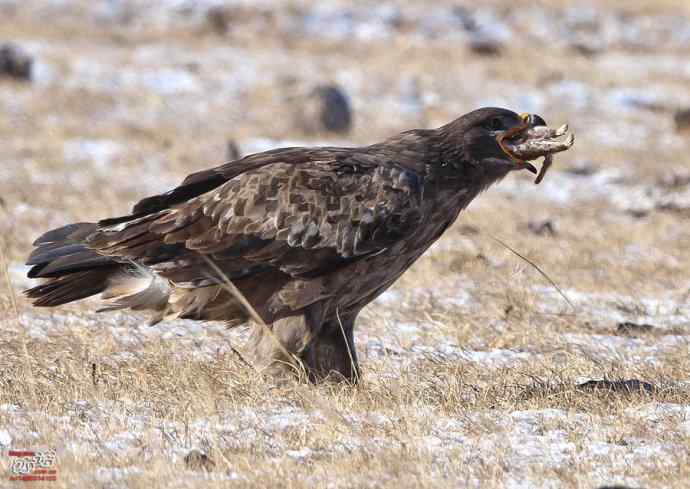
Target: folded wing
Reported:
[(303, 212)]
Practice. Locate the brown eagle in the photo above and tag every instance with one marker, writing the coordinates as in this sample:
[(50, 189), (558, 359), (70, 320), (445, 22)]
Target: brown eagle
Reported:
[(298, 240)]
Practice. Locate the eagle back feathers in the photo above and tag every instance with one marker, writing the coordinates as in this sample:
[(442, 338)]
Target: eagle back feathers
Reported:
[(303, 211)]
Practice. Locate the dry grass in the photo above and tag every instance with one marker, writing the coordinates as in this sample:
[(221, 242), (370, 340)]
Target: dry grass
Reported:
[(470, 365)]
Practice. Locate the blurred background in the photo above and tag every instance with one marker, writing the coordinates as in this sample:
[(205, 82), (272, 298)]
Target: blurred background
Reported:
[(139, 93)]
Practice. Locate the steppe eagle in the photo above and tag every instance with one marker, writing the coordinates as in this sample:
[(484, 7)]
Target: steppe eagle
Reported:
[(308, 236)]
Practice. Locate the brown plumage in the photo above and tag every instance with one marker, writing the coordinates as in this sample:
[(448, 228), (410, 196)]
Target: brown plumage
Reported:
[(308, 235)]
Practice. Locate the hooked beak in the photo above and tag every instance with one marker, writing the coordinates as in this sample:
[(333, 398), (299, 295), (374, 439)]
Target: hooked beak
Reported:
[(528, 120), (532, 139)]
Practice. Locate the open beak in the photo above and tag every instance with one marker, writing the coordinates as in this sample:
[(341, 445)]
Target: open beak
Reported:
[(528, 120), (532, 139)]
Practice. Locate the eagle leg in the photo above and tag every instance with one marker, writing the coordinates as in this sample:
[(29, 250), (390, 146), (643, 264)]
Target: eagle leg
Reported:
[(274, 349), (324, 349), (332, 352)]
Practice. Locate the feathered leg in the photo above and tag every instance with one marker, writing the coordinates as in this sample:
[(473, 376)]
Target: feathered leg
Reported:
[(276, 349), (322, 347), (332, 351)]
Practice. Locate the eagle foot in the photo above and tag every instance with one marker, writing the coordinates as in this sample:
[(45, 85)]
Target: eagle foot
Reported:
[(331, 355)]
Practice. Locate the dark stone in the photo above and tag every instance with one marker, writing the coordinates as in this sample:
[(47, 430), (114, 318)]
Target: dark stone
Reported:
[(468, 230), (218, 19), (624, 386), (336, 114), (15, 63), (543, 228), (630, 328), (638, 213), (485, 46), (682, 120), (582, 169), (586, 48), (196, 460), (326, 108)]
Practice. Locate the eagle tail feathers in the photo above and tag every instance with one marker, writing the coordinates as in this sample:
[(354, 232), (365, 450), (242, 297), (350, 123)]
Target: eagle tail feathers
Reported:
[(73, 271), (70, 287)]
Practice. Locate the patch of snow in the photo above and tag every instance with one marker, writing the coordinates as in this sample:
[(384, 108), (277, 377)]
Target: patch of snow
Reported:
[(5, 438), (664, 312), (284, 419), (640, 65), (346, 23), (576, 94), (166, 81), (620, 134), (116, 474), (257, 145), (624, 348), (487, 25), (301, 454), (119, 77), (657, 411), (389, 297), (565, 189), (99, 152), (444, 351), (649, 98), (122, 442)]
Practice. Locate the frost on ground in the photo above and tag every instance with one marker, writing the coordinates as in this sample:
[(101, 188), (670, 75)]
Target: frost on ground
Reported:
[(472, 361)]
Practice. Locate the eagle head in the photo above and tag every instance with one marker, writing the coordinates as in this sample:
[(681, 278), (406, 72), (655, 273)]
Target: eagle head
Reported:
[(496, 141)]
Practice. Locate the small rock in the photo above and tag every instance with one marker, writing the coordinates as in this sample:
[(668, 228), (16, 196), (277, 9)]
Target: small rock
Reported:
[(638, 213), (15, 63), (586, 49), (468, 230), (582, 169), (218, 19), (629, 328), (586, 44), (675, 179), (232, 151), (624, 386), (325, 108), (543, 228), (196, 460), (682, 120), (483, 46)]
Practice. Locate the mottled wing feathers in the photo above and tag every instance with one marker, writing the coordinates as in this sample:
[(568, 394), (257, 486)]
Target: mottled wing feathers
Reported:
[(206, 180), (302, 211)]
